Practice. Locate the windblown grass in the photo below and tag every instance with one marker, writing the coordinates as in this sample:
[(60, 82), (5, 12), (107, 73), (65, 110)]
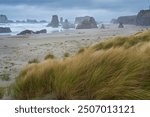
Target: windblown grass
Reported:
[(109, 70), (125, 42), (81, 50)]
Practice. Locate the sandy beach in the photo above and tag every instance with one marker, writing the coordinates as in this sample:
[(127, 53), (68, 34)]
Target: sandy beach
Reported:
[(16, 51)]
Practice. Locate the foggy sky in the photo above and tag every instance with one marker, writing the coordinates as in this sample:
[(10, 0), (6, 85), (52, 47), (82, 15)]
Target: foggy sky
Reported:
[(102, 10)]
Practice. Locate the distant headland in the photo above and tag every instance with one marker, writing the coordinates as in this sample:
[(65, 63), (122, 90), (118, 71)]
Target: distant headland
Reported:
[(142, 19)]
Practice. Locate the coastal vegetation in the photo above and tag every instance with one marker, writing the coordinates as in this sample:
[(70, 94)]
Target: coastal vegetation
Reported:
[(66, 54), (5, 76), (117, 68), (49, 56), (35, 60)]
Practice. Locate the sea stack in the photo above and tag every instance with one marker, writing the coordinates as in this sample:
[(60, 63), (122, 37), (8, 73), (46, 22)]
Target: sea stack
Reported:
[(87, 23), (3, 19), (54, 22), (102, 26), (61, 20), (66, 24), (5, 30), (120, 25)]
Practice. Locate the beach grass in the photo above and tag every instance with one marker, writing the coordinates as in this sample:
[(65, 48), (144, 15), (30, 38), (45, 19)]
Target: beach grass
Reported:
[(35, 60), (125, 42), (81, 50), (5, 76), (49, 56), (66, 54), (117, 68)]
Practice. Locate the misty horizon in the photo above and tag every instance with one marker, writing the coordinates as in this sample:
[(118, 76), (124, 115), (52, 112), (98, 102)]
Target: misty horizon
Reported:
[(101, 10)]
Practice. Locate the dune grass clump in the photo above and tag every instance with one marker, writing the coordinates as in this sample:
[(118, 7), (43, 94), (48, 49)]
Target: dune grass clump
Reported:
[(66, 54), (125, 42), (34, 85), (49, 56), (5, 76), (81, 50), (33, 61), (112, 73)]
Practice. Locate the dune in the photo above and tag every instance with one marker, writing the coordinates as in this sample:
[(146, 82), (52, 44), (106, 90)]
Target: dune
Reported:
[(116, 68)]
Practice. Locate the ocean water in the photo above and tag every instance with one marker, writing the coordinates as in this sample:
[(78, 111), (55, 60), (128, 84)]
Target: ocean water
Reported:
[(18, 27)]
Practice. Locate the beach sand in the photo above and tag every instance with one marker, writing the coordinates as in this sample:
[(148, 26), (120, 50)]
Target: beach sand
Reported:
[(16, 51)]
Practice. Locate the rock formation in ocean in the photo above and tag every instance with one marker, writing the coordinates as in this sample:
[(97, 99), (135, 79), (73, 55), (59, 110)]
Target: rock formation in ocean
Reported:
[(66, 24), (27, 32), (43, 21), (4, 19), (78, 20), (41, 31), (120, 25), (5, 30), (125, 20), (102, 26), (87, 23), (114, 21), (61, 20), (18, 21), (54, 22), (31, 21), (143, 18)]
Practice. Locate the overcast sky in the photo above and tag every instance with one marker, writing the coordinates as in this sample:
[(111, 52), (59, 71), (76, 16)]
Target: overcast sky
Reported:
[(102, 10)]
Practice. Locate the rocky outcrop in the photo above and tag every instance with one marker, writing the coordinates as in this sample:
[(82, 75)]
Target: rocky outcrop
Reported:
[(43, 21), (67, 24), (18, 21), (114, 21), (41, 31), (102, 26), (5, 30), (78, 20), (120, 25), (54, 22), (3, 19), (28, 32), (143, 18), (126, 20), (61, 20), (87, 23), (25, 32), (31, 21)]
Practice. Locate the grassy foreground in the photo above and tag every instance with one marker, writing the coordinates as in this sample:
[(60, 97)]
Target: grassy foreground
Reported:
[(117, 68)]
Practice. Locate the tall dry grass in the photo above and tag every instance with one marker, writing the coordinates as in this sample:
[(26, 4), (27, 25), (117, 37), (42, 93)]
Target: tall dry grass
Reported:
[(115, 72), (126, 42)]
